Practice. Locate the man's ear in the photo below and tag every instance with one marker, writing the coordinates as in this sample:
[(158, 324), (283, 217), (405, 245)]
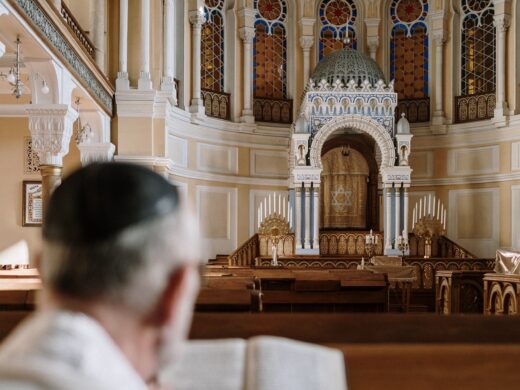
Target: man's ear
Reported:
[(174, 293)]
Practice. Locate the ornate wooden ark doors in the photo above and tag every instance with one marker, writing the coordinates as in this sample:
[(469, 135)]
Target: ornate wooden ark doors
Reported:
[(347, 193)]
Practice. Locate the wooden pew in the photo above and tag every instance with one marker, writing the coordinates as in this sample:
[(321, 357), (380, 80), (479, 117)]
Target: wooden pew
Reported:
[(228, 293), (392, 351)]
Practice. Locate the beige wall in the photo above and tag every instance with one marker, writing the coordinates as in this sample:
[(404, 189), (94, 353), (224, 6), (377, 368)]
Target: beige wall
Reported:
[(13, 131)]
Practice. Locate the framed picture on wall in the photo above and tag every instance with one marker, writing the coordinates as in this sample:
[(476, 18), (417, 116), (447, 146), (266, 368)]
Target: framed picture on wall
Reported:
[(32, 203)]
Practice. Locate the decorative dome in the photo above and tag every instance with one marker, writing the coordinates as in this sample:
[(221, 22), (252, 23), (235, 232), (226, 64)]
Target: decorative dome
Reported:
[(346, 65), (403, 126)]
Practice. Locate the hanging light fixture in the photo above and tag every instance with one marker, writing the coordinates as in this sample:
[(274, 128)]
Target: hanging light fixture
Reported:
[(345, 151), (13, 77)]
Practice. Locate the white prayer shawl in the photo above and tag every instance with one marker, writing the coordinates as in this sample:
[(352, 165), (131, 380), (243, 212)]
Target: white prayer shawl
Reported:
[(64, 350)]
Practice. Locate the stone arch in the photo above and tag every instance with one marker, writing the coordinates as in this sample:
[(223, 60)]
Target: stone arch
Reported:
[(362, 124)]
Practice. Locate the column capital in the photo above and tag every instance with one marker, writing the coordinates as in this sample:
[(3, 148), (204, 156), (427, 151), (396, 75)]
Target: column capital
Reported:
[(373, 42), (96, 152), (502, 22), (51, 129), (306, 42), (197, 18), (439, 37), (247, 34)]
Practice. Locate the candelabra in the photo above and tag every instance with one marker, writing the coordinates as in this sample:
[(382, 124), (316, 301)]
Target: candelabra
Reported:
[(275, 227), (371, 241), (402, 245)]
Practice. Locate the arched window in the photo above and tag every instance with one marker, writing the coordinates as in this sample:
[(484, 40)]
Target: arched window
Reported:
[(478, 47), (270, 49), (409, 48), (212, 43), (337, 18)]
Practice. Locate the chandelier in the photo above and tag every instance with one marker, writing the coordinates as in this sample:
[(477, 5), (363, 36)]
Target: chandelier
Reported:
[(13, 77)]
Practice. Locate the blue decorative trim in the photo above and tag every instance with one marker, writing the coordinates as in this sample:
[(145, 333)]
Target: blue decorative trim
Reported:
[(47, 28)]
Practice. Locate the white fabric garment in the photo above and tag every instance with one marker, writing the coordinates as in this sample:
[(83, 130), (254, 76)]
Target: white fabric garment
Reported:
[(64, 350)]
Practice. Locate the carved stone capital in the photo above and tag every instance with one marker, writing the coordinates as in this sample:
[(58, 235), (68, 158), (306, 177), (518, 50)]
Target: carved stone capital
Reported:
[(439, 37), (373, 43), (51, 129), (306, 42), (197, 18), (96, 152), (247, 34), (502, 22)]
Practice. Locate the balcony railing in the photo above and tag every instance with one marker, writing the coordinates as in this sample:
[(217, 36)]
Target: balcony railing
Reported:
[(273, 110), (217, 104), (78, 32), (416, 110), (474, 107)]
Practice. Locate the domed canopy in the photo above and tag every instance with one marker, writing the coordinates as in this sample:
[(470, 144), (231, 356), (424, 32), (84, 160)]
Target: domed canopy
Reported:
[(346, 65)]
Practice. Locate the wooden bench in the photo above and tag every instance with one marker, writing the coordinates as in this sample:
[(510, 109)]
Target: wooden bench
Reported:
[(224, 292)]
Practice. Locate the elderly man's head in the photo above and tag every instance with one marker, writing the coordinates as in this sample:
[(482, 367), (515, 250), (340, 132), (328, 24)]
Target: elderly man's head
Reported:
[(116, 236)]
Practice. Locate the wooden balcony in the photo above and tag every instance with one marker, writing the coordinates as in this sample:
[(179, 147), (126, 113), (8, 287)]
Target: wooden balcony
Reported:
[(217, 104), (273, 110), (476, 107), (416, 110)]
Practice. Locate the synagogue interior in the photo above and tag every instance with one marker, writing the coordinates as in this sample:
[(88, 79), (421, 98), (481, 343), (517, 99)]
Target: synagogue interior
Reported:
[(353, 165)]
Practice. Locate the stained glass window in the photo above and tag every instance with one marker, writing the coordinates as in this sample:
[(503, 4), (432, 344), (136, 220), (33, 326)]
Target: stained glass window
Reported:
[(478, 47), (409, 48), (337, 18), (212, 56), (270, 49)]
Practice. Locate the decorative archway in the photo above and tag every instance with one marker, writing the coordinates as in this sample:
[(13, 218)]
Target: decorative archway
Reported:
[(363, 124)]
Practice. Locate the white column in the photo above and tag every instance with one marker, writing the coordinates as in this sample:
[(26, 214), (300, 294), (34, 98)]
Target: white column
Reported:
[(388, 217), (167, 81), (438, 113), (316, 227), (502, 24), (307, 232), (247, 34), (405, 213), (122, 82), (306, 42), (97, 15), (298, 217), (397, 211), (196, 20), (373, 44), (145, 80)]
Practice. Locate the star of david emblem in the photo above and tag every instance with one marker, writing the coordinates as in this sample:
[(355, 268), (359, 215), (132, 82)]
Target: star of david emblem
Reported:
[(341, 199)]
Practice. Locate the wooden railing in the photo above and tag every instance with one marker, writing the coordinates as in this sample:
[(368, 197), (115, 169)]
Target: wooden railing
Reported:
[(474, 107), (246, 254), (416, 110), (347, 244), (273, 110), (217, 104), (441, 247), (78, 32)]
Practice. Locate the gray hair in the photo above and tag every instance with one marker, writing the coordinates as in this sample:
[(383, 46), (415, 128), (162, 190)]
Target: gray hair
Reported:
[(130, 269)]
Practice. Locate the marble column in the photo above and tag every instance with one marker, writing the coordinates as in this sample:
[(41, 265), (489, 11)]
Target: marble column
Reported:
[(405, 212), (247, 34), (122, 82), (97, 12), (306, 42), (316, 226), (501, 24), (197, 20), (145, 80), (397, 212), (51, 129), (307, 232), (298, 217), (388, 216), (438, 112), (167, 81)]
